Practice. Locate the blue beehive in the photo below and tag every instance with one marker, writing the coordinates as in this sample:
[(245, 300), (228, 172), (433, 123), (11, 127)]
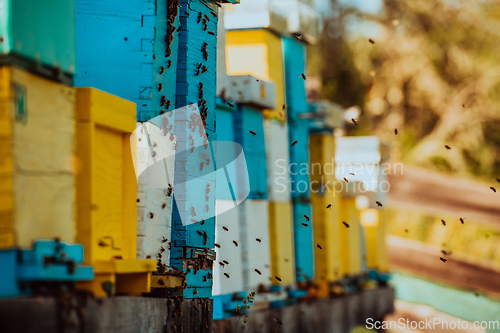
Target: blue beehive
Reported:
[(247, 119), (295, 66), (40, 36), (303, 242), (298, 130)]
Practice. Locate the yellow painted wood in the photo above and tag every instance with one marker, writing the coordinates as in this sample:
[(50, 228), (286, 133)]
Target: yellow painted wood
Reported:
[(258, 52), (322, 158), (281, 242), (350, 238), (37, 187), (160, 281), (376, 249)]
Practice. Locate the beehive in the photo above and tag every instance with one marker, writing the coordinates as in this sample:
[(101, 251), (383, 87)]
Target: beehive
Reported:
[(278, 160), (107, 193), (281, 235), (295, 66), (376, 249), (350, 238), (39, 36), (37, 186), (258, 52)]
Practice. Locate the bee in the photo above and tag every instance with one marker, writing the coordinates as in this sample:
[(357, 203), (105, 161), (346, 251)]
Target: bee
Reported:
[(406, 230), (169, 63), (217, 245), (346, 224), (498, 180), (202, 164), (305, 224), (207, 208), (293, 143), (446, 253), (200, 15), (227, 275), (213, 14), (354, 121), (329, 207), (447, 147), (211, 33), (206, 17), (225, 262), (205, 238), (304, 76), (346, 180), (209, 275), (378, 203), (277, 278), (125, 38), (231, 105), (279, 321), (253, 133), (204, 69), (395, 131), (371, 41), (235, 243), (162, 69), (169, 245), (443, 259), (151, 215), (258, 240), (461, 219), (202, 222), (284, 107), (319, 246), (204, 51), (163, 239), (493, 189), (225, 228), (245, 320), (199, 232), (219, 5), (170, 189), (306, 217), (221, 264), (258, 272), (443, 222), (298, 39)]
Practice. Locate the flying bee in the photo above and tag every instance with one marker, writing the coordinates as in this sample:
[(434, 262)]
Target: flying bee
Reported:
[(406, 230), (346, 180), (225, 262), (493, 189), (319, 246), (446, 253), (354, 121), (258, 272), (395, 131), (443, 259), (217, 245), (231, 105), (303, 76), (293, 143), (305, 224), (258, 240), (221, 264), (443, 222), (306, 217), (277, 278), (279, 321), (298, 39), (225, 228), (151, 215), (329, 207), (378, 203), (235, 243), (227, 275), (253, 133), (461, 219), (447, 147), (346, 224), (351, 173), (371, 41), (245, 320)]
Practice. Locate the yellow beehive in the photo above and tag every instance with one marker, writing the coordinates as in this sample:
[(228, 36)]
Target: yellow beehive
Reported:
[(350, 238), (322, 158), (107, 193), (375, 232), (37, 184), (258, 52), (281, 242)]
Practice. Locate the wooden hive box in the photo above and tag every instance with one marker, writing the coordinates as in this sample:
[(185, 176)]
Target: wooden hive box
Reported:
[(107, 193), (281, 239), (37, 186)]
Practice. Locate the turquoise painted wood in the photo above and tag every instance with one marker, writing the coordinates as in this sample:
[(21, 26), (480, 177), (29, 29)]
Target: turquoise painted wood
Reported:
[(9, 286), (303, 241), (125, 48), (39, 34), (298, 130), (295, 66), (247, 119)]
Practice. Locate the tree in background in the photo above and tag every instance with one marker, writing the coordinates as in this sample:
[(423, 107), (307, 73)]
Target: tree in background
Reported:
[(433, 73)]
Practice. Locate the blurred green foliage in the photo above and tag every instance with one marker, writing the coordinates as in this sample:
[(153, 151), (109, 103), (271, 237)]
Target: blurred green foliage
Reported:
[(433, 73)]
